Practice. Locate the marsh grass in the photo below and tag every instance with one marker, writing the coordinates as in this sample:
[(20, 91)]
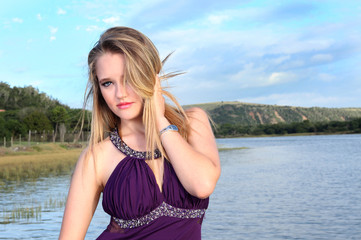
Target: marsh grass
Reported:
[(41, 160), (18, 213), (229, 149), (27, 164)]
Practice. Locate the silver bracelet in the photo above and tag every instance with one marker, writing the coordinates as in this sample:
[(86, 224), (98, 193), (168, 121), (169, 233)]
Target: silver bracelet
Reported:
[(168, 128)]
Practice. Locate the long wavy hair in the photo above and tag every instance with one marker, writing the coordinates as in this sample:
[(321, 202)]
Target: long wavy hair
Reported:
[(142, 65)]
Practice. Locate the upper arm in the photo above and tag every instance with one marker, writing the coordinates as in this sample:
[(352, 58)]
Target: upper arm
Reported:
[(82, 200), (201, 136)]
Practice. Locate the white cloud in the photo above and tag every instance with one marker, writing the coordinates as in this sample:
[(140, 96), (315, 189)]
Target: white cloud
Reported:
[(53, 30), (304, 99), (325, 77), (322, 58), (39, 17), (217, 19), (252, 76), (279, 77), (292, 45), (280, 59), (243, 15), (61, 11), (93, 28), (17, 20), (111, 20), (299, 63)]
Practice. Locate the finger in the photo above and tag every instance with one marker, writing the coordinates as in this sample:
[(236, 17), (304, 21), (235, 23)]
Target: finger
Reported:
[(157, 86), (157, 81)]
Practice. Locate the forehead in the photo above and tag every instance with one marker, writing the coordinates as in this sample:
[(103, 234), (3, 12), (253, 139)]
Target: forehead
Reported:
[(110, 65)]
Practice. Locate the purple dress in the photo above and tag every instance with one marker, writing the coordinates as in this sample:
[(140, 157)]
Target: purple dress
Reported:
[(139, 210)]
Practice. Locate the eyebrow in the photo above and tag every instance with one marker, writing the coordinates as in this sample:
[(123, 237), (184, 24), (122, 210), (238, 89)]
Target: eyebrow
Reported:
[(104, 79), (108, 79)]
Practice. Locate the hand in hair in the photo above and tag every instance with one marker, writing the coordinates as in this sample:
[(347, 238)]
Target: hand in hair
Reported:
[(159, 104)]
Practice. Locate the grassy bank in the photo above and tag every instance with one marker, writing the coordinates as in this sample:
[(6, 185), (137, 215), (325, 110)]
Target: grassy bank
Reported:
[(27, 163), (285, 135)]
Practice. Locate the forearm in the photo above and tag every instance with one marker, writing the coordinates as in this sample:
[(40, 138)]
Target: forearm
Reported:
[(197, 172)]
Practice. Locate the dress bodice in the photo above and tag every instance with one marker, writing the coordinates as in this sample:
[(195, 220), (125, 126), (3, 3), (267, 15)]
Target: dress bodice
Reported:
[(133, 198)]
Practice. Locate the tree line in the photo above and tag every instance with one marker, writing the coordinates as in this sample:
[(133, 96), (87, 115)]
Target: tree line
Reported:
[(56, 121), (24, 110), (237, 130)]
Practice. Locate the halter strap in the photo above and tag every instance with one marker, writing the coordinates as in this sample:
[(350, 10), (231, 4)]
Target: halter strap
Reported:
[(124, 148)]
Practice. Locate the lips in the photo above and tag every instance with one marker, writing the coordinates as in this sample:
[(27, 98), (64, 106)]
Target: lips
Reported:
[(124, 105)]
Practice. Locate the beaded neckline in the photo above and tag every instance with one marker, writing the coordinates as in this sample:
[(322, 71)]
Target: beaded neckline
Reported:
[(124, 148)]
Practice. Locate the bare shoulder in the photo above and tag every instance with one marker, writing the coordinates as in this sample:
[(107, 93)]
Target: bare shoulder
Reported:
[(106, 157), (197, 114), (103, 149), (96, 152), (199, 124), (102, 158), (200, 134)]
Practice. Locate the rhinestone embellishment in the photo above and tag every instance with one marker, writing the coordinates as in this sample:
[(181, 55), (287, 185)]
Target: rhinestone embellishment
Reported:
[(163, 210), (124, 148)]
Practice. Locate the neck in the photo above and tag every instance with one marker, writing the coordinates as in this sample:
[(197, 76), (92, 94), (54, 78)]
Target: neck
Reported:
[(133, 133), (134, 126)]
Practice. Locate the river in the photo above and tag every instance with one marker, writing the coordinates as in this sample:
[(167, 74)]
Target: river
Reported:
[(303, 187)]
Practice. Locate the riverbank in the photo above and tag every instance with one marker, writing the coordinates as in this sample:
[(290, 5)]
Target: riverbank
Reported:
[(287, 134), (20, 163)]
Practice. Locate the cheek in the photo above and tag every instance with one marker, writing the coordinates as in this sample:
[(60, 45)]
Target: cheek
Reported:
[(134, 94), (105, 96)]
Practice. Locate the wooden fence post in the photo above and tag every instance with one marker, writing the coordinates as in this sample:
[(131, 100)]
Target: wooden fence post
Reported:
[(4, 141), (20, 140), (29, 138), (11, 141)]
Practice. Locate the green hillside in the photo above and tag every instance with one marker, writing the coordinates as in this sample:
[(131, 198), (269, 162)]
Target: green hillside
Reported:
[(255, 114)]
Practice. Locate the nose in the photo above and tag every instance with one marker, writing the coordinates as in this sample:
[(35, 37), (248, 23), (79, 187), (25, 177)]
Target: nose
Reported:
[(121, 91)]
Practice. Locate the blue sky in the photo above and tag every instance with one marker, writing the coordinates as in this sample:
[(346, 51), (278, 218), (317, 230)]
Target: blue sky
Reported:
[(298, 53)]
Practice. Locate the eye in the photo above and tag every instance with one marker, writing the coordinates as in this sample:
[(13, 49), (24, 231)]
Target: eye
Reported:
[(106, 83)]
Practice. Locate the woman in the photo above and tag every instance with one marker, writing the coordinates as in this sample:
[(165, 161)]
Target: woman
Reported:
[(159, 164)]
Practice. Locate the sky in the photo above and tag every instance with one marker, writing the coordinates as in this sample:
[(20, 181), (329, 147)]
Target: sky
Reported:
[(294, 53)]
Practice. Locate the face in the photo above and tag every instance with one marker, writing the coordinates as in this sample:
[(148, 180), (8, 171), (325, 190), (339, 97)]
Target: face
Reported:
[(122, 100)]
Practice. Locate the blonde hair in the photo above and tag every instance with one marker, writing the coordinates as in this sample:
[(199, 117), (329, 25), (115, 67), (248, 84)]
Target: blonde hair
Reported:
[(142, 65)]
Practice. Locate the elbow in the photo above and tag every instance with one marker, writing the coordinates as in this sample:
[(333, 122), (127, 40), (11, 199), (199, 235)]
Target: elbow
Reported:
[(204, 191), (203, 194), (206, 187)]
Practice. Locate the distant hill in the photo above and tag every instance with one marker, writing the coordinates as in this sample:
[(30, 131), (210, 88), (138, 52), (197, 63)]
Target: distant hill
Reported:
[(255, 114), (21, 101)]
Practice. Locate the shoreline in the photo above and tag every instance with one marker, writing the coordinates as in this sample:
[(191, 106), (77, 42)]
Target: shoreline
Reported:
[(49, 149), (287, 135)]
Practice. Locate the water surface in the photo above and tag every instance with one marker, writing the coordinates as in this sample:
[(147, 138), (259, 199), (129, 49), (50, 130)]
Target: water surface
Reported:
[(306, 187)]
